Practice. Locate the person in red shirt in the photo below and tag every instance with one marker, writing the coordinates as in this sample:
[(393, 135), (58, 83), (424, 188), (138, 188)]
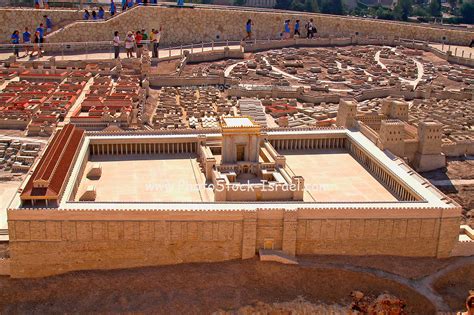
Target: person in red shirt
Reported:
[(138, 41)]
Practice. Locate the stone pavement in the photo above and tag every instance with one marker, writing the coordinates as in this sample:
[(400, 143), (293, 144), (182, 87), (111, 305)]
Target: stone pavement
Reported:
[(109, 54)]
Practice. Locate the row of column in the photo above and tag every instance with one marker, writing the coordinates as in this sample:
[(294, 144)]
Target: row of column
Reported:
[(301, 144), (142, 148), (381, 174)]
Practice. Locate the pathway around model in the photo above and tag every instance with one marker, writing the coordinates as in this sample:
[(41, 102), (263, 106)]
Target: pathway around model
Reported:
[(423, 285)]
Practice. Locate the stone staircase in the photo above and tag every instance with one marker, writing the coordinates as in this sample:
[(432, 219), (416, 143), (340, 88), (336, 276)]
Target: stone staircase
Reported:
[(277, 256)]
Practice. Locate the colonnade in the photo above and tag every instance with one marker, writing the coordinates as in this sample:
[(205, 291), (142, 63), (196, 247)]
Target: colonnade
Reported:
[(303, 144), (142, 148), (401, 192)]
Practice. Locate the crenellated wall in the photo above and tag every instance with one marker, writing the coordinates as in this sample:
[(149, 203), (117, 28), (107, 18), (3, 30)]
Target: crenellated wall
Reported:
[(184, 26)]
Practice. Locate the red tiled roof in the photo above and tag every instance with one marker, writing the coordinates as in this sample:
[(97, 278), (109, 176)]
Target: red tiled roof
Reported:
[(54, 165)]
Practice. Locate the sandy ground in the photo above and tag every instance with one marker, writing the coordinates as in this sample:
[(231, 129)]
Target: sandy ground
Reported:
[(196, 288)]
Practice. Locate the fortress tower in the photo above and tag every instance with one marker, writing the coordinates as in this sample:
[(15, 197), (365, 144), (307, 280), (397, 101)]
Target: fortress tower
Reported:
[(395, 109), (346, 114), (392, 135), (429, 155)]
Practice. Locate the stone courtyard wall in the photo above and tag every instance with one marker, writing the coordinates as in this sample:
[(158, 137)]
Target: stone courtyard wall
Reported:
[(185, 26), (48, 242), (17, 19)]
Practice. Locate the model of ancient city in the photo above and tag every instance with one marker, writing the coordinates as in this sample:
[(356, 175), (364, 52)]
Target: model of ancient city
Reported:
[(279, 149)]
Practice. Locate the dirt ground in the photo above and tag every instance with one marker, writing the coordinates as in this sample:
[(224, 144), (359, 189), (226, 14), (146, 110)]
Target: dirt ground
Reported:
[(464, 195), (454, 285), (196, 289), (407, 267)]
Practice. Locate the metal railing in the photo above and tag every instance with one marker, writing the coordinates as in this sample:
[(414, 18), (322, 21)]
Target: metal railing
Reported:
[(103, 50)]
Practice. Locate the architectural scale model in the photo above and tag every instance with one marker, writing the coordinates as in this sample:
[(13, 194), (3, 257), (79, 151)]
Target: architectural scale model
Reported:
[(294, 146)]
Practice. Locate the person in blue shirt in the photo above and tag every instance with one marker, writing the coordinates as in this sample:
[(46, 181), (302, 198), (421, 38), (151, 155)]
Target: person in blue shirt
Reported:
[(180, 3), (248, 30), (94, 15), (27, 40), (129, 4), (86, 15), (49, 24), (40, 31), (101, 13), (113, 9), (286, 29), (297, 28), (15, 40)]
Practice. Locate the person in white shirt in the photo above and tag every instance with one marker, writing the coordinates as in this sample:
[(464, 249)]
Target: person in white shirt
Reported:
[(116, 44), (129, 44), (155, 39)]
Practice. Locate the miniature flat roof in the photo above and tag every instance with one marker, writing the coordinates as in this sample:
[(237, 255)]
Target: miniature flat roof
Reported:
[(235, 122)]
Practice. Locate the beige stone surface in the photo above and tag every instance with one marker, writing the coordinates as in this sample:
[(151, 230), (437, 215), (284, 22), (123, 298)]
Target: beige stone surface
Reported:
[(152, 178), (335, 176)]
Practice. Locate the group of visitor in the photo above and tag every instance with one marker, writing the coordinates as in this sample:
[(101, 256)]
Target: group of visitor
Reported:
[(135, 42), (128, 4), (94, 16), (286, 34), (31, 45)]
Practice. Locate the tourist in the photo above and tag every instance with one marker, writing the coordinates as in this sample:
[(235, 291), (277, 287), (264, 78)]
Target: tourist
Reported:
[(124, 5), (15, 40), (116, 44), (286, 29), (129, 4), (248, 29), (297, 28), (469, 305), (180, 3), (86, 15), (37, 4), (49, 24), (138, 42), (45, 4), (129, 44), (310, 29), (94, 15), (27, 40), (155, 39), (40, 31), (113, 9), (101, 13), (472, 43), (37, 44)]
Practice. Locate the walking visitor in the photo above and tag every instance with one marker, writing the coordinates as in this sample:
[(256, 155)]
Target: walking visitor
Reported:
[(15, 40), (155, 37), (101, 13), (138, 42), (310, 29), (94, 15), (37, 45), (86, 15), (49, 24), (297, 28), (129, 44), (113, 9), (116, 45), (248, 29), (27, 40), (286, 29)]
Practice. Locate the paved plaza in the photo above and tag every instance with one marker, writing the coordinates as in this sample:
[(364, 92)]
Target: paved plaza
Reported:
[(335, 176), (157, 178)]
